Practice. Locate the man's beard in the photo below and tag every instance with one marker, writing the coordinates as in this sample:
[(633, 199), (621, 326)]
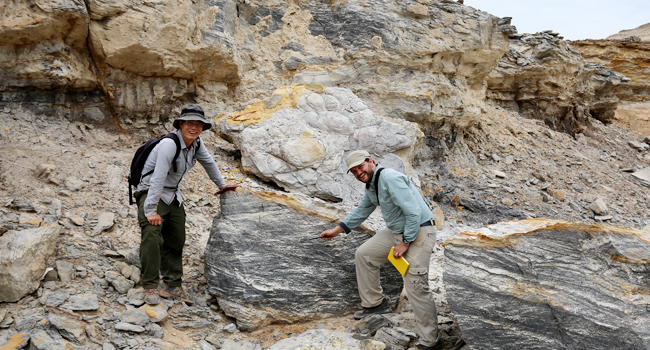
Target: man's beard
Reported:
[(370, 174)]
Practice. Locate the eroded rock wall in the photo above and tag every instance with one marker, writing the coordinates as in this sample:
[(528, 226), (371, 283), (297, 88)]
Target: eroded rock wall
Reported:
[(543, 77), (134, 63), (630, 58), (115, 61), (420, 62)]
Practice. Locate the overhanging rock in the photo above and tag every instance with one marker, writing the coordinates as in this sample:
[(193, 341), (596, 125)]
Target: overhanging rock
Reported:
[(544, 284), (263, 267)]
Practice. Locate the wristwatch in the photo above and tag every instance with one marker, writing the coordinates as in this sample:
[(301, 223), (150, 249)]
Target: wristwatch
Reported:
[(406, 243)]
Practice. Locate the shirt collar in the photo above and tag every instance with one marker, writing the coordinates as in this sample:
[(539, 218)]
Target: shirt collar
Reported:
[(180, 137)]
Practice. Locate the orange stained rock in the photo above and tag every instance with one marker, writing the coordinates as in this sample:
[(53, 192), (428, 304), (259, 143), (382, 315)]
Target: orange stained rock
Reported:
[(293, 203), (262, 110), (150, 312), (16, 342), (500, 233)]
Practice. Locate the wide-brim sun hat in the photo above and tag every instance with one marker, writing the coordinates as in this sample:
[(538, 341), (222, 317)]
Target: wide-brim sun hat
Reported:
[(355, 158), (192, 112)]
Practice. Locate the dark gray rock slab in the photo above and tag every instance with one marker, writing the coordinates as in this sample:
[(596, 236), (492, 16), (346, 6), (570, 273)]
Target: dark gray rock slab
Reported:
[(544, 284), (82, 302), (263, 267)]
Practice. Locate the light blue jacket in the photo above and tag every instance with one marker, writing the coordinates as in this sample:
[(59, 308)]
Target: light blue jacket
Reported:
[(402, 205)]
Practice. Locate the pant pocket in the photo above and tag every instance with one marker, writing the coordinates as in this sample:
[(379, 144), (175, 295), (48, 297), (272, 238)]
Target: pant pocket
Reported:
[(419, 279)]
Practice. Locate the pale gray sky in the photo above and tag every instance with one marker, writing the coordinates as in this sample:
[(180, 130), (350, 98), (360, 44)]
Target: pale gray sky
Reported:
[(573, 19)]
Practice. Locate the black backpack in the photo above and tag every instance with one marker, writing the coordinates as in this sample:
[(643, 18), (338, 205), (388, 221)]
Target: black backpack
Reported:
[(140, 157)]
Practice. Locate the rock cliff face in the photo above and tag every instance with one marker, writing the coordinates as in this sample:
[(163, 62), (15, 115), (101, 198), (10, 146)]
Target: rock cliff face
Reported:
[(134, 63), (543, 77), (543, 284), (410, 60), (263, 267), (43, 45)]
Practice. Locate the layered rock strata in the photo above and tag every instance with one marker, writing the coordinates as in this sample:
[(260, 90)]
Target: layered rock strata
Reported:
[(299, 138), (420, 62), (642, 33), (632, 59), (264, 267), (544, 284), (134, 63), (543, 77)]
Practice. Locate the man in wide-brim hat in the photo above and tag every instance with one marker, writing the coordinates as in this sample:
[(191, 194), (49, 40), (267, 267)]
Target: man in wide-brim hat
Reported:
[(161, 214)]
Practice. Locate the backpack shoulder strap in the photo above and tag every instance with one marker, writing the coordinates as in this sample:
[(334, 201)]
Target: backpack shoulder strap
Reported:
[(177, 141), (377, 183)]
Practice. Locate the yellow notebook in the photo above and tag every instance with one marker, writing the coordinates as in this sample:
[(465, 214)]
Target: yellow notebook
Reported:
[(400, 264)]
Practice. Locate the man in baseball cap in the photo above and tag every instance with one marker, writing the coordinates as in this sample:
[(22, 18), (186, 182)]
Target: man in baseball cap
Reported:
[(411, 234), (355, 158)]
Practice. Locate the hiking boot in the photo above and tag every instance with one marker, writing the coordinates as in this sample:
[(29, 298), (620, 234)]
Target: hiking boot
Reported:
[(459, 344), (176, 293), (151, 296), (437, 346), (382, 308)]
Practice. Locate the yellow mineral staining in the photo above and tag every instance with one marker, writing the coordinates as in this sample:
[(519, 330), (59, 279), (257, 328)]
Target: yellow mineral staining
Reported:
[(16, 342), (284, 97), (305, 151), (150, 312), (505, 233)]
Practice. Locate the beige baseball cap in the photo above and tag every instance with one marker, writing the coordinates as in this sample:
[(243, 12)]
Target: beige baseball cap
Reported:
[(355, 158)]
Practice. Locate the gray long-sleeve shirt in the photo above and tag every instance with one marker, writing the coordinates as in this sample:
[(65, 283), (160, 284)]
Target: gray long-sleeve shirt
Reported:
[(164, 183)]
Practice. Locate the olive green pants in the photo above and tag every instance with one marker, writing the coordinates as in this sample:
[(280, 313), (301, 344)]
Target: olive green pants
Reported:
[(161, 248)]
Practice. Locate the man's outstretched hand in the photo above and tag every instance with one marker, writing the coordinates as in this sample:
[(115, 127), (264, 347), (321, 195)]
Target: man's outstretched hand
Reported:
[(227, 188)]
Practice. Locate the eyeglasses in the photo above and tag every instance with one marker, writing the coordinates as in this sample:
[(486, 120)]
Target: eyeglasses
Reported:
[(195, 124)]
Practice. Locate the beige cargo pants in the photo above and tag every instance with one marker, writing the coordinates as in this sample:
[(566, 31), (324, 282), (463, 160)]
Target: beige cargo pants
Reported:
[(374, 253)]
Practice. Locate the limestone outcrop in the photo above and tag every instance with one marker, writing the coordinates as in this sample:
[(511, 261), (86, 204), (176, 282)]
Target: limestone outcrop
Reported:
[(299, 138), (23, 260), (543, 77), (151, 53), (264, 267), (544, 284), (420, 62)]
